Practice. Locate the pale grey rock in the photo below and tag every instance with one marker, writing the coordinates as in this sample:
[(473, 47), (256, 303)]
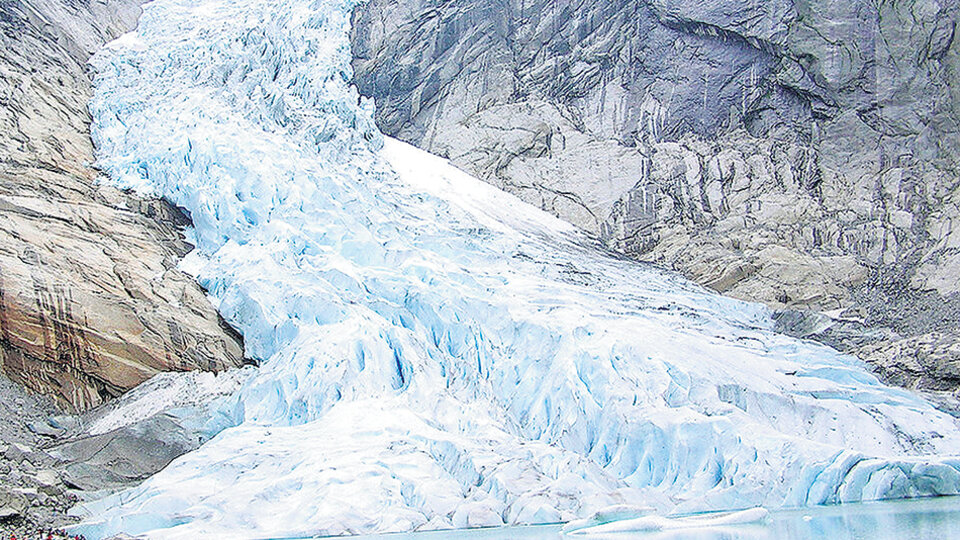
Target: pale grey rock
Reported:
[(48, 482), (31, 494), (8, 513), (13, 500), (800, 153), (20, 453), (124, 456)]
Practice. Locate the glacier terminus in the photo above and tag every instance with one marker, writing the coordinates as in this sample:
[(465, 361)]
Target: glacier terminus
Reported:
[(435, 353)]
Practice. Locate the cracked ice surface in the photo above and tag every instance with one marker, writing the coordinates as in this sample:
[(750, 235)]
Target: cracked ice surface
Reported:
[(435, 352)]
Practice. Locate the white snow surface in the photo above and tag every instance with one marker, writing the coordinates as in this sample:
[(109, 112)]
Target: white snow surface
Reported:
[(436, 353)]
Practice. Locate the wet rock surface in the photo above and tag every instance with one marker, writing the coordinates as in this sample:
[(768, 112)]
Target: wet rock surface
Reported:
[(800, 153), (91, 301)]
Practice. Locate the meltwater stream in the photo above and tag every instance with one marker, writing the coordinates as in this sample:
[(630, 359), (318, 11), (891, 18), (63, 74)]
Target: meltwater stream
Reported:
[(436, 353)]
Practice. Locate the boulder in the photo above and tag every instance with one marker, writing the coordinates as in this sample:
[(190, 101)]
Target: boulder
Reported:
[(12, 502), (48, 482), (125, 455), (20, 453)]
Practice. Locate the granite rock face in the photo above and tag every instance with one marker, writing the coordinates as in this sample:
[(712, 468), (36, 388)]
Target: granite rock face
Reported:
[(801, 153), (91, 301)]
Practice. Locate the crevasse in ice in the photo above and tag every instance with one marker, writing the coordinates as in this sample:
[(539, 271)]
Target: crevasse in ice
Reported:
[(436, 353)]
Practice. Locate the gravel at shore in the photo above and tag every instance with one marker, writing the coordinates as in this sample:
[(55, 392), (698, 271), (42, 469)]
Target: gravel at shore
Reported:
[(33, 498)]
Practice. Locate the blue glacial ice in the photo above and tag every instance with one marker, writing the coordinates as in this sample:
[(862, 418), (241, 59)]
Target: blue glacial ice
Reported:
[(436, 353)]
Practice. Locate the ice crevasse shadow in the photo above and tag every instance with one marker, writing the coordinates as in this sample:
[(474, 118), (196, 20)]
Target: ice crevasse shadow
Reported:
[(436, 353)]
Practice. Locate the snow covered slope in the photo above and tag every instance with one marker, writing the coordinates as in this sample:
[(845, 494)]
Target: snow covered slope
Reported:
[(437, 353)]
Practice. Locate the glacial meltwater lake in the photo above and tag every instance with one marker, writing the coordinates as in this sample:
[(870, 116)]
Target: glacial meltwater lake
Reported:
[(934, 518)]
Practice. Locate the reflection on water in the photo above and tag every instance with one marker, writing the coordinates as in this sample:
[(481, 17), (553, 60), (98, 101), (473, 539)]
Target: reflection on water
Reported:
[(936, 519), (924, 518)]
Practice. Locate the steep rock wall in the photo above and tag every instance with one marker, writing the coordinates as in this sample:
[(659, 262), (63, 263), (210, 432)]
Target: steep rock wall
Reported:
[(91, 301), (800, 153)]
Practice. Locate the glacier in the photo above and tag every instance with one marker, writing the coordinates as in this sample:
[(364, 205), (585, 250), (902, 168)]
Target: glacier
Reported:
[(434, 352)]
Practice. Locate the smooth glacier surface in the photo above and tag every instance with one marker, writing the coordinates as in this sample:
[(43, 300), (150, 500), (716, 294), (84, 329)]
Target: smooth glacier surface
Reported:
[(436, 353)]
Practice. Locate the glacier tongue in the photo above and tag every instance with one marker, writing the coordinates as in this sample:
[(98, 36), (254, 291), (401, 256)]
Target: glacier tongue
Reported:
[(436, 353)]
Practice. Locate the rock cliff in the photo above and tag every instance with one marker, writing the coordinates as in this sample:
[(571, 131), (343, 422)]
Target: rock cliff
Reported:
[(801, 153), (91, 301)]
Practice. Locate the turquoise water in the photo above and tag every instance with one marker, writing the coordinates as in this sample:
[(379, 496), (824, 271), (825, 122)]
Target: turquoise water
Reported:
[(935, 519)]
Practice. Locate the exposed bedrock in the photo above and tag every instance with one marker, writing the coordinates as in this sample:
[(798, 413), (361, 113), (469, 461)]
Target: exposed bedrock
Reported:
[(91, 301), (798, 153)]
